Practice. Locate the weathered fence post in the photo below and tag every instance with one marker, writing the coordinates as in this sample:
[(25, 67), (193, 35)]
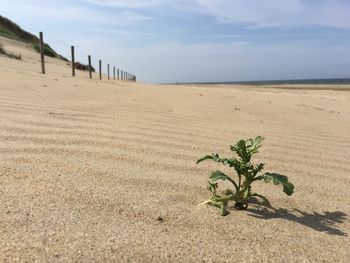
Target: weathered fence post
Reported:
[(73, 61), (118, 74), (89, 57), (108, 71), (121, 75), (100, 67), (113, 73), (41, 44)]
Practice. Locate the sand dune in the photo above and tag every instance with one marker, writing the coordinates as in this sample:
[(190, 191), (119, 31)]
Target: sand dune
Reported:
[(88, 166)]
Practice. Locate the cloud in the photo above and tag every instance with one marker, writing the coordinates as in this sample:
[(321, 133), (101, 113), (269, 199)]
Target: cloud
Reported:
[(254, 13), (132, 16), (72, 12), (131, 3), (157, 49), (276, 13)]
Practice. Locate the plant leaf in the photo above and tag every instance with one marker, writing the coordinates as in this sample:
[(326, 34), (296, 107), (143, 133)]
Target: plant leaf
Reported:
[(216, 158), (257, 168), (207, 157), (217, 175), (288, 187), (240, 149), (261, 197), (255, 144), (246, 148), (228, 192), (212, 187)]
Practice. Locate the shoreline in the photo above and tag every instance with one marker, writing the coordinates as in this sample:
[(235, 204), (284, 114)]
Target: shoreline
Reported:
[(335, 87)]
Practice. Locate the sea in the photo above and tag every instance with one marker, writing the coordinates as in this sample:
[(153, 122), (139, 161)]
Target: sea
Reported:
[(273, 82)]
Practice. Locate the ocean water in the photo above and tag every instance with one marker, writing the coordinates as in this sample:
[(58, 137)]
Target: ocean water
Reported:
[(277, 82)]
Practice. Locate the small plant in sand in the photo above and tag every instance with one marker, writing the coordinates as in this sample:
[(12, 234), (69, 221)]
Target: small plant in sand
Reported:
[(246, 173)]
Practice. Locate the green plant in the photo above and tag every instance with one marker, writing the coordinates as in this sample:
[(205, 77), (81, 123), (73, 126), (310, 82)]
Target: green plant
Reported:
[(47, 50), (9, 29), (246, 172)]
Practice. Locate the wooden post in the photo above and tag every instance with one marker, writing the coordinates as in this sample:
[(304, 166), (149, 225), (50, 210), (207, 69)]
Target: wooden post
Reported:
[(121, 75), (73, 61), (41, 37), (89, 57), (100, 66), (113, 72), (118, 74), (108, 71)]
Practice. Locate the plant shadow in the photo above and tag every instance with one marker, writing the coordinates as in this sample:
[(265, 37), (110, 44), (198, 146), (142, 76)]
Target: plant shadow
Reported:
[(323, 222)]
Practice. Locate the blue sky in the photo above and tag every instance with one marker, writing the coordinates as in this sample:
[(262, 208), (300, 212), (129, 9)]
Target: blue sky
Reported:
[(198, 40)]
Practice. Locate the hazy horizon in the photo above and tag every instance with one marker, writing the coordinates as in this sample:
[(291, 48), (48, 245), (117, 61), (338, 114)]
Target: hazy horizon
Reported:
[(198, 40)]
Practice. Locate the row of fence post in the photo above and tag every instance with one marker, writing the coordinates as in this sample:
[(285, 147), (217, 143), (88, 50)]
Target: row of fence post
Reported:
[(121, 75)]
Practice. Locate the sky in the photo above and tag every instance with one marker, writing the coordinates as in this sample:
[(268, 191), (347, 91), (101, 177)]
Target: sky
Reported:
[(162, 41)]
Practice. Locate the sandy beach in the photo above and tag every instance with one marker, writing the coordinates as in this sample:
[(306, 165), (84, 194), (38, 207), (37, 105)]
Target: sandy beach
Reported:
[(87, 168)]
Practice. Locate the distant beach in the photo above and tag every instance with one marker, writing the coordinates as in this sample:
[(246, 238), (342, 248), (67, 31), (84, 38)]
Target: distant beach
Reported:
[(343, 81)]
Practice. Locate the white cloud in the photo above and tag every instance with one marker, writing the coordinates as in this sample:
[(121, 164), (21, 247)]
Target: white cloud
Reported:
[(72, 12), (130, 3), (254, 13), (153, 57), (271, 13)]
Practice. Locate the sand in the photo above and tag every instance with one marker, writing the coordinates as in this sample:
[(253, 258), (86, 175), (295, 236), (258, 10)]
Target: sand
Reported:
[(87, 167)]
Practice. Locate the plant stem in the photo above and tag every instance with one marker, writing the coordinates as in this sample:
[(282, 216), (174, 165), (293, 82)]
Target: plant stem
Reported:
[(234, 183), (239, 181), (223, 209)]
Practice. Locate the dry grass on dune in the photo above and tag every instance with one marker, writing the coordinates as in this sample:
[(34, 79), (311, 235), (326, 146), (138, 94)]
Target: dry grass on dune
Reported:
[(105, 171), (10, 55)]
